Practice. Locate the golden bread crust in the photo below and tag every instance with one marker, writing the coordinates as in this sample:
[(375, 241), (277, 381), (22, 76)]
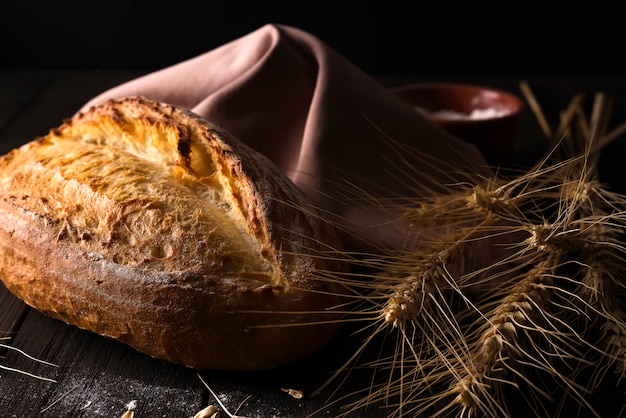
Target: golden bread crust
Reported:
[(143, 222)]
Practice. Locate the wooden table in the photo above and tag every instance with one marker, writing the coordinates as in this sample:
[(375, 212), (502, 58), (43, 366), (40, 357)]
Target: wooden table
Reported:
[(97, 377)]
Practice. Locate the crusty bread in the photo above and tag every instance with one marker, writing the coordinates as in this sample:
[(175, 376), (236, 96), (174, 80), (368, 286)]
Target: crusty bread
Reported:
[(140, 221)]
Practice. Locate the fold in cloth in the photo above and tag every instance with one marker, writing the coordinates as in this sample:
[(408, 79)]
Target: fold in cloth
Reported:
[(333, 130)]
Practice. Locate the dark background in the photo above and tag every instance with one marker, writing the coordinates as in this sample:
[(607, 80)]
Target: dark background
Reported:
[(383, 38)]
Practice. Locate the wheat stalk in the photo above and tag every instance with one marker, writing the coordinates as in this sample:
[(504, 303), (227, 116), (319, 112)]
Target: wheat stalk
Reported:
[(546, 302), (501, 345)]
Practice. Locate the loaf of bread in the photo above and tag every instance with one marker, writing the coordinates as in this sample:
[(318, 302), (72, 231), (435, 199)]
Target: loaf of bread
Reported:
[(143, 222)]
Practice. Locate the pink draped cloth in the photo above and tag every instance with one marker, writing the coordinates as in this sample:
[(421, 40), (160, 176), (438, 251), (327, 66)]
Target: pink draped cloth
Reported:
[(331, 128)]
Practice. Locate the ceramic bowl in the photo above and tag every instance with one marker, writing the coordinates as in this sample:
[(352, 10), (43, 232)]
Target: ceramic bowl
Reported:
[(486, 117)]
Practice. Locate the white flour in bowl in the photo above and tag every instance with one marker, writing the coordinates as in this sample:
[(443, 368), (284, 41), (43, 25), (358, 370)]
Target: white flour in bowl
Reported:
[(475, 114)]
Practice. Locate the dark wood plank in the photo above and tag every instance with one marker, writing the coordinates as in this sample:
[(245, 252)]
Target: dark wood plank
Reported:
[(94, 376), (12, 314)]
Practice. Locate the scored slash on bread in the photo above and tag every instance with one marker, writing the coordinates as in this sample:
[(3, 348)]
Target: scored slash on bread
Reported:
[(143, 222)]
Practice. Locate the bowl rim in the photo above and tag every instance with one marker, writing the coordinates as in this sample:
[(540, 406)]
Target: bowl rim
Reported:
[(398, 90)]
